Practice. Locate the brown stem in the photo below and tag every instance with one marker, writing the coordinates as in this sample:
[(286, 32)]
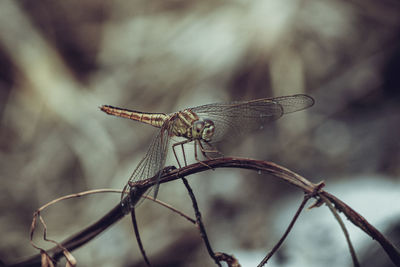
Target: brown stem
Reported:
[(138, 239), (289, 228), (280, 172), (199, 222)]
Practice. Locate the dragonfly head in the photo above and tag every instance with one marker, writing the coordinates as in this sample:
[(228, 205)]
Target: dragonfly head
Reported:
[(203, 129)]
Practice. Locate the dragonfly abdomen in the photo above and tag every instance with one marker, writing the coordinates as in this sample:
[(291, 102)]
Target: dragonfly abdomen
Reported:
[(154, 119)]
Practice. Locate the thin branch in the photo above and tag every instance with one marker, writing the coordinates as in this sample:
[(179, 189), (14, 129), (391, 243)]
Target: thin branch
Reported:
[(137, 234), (345, 232), (275, 170), (199, 222), (81, 194), (187, 217), (36, 214), (391, 250), (277, 245)]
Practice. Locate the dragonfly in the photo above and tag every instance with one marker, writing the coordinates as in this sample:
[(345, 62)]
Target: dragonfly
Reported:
[(204, 125)]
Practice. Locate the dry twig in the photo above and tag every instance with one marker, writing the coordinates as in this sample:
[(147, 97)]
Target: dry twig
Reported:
[(275, 170)]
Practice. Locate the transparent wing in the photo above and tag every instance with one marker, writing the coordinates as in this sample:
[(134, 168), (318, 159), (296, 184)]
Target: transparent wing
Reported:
[(236, 118), (152, 163)]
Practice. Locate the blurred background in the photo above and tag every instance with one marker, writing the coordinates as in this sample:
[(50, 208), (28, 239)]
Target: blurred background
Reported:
[(61, 60)]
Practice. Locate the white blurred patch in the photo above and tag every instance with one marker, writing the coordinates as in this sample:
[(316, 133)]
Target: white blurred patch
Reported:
[(317, 240)]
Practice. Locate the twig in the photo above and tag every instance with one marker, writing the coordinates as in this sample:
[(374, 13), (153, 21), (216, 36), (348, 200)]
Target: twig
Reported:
[(36, 214), (345, 232), (275, 170), (277, 245), (200, 224), (137, 234), (45, 256), (187, 217), (81, 194), (81, 238), (359, 221)]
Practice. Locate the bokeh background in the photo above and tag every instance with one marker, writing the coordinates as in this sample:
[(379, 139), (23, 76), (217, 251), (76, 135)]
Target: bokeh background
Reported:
[(61, 60)]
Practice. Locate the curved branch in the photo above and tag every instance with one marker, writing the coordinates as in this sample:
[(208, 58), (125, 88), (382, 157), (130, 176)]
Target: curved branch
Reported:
[(280, 172)]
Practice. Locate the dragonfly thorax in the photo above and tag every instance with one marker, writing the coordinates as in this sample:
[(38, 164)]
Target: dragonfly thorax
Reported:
[(203, 129)]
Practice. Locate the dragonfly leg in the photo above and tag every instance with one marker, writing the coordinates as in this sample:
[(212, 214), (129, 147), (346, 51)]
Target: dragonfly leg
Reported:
[(212, 150), (203, 151), (198, 142), (184, 155), (183, 151)]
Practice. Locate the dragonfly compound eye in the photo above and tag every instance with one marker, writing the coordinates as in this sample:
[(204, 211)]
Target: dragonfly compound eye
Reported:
[(198, 127), (208, 131)]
